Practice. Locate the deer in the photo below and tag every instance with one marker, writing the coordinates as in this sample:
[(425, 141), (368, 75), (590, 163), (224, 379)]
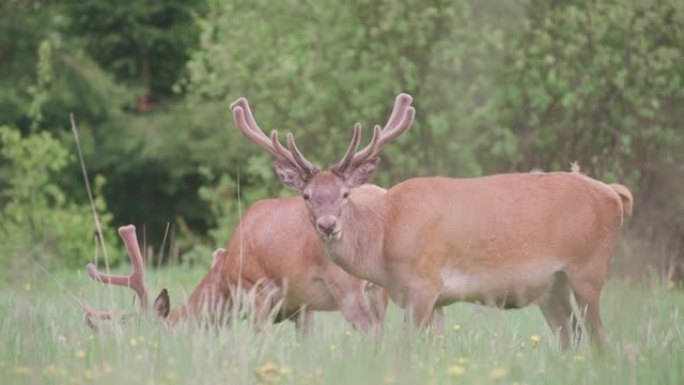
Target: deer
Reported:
[(275, 262), (503, 240)]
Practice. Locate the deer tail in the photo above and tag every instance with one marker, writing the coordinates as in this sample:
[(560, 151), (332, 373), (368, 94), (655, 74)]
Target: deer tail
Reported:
[(625, 196)]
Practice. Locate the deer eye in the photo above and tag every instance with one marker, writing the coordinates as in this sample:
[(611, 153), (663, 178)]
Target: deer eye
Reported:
[(345, 195), (305, 196)]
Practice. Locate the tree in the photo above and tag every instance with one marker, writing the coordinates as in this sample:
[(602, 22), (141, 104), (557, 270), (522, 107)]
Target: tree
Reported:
[(145, 44)]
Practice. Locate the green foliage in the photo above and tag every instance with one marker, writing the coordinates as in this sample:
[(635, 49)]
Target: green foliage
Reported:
[(144, 43), (317, 69), (598, 82), (39, 221), (39, 93), (44, 76), (46, 73), (227, 201), (498, 87)]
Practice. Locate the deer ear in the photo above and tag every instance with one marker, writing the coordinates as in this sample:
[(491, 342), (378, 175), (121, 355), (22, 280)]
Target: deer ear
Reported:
[(290, 176), (362, 173), (162, 304)]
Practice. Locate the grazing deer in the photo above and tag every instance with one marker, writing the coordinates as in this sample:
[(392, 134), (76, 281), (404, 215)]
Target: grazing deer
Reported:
[(506, 240), (276, 260)]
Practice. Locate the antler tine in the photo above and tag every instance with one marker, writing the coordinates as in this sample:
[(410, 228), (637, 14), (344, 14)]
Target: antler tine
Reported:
[(244, 120), (401, 103), (239, 116), (351, 150), (400, 120), (392, 132), (136, 280), (303, 163)]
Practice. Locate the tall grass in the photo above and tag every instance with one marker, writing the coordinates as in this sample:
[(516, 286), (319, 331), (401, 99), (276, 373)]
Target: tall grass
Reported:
[(43, 339)]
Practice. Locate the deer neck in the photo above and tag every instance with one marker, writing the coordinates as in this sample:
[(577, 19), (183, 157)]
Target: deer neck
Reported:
[(359, 250), (205, 300)]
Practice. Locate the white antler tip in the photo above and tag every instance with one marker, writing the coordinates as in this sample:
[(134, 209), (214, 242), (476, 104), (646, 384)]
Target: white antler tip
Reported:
[(404, 97), (238, 102), (92, 271), (238, 111), (127, 229)]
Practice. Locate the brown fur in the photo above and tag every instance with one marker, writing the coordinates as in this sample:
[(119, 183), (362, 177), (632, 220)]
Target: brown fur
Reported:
[(506, 240), (276, 256)]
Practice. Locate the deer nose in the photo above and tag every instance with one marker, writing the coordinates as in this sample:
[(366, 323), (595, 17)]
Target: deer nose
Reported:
[(327, 224)]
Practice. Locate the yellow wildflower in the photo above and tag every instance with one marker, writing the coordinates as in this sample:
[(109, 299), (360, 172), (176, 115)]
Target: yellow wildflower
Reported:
[(50, 369), (23, 370), (285, 371), (456, 370), (498, 373), (171, 376), (80, 354), (671, 284), (268, 373), (89, 374), (535, 340), (27, 286), (457, 328), (578, 357)]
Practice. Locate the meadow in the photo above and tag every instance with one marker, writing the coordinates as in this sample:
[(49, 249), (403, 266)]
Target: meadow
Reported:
[(45, 340), (498, 86)]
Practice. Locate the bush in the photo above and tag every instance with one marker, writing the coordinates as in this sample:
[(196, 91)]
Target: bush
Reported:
[(40, 222), (498, 87)]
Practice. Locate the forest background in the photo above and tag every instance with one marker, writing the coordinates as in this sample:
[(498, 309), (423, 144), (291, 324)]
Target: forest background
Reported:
[(498, 87)]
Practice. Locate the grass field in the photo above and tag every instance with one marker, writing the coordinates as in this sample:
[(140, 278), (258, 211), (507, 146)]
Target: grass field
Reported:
[(44, 340)]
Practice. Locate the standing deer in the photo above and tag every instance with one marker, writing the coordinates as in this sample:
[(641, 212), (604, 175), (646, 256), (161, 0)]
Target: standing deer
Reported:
[(505, 240), (276, 259)]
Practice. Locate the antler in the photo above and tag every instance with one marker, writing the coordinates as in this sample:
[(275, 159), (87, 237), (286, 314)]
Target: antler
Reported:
[(400, 120), (136, 280), (244, 119)]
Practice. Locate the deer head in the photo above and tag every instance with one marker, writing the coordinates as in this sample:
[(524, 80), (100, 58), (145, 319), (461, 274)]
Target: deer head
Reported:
[(325, 192)]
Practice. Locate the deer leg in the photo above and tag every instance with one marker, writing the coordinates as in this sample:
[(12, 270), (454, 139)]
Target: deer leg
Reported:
[(420, 307), (378, 300), (304, 321), (437, 321), (586, 286), (350, 300), (557, 310), (267, 298)]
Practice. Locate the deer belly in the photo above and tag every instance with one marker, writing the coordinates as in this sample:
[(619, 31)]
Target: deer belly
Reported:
[(314, 295), (505, 288)]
